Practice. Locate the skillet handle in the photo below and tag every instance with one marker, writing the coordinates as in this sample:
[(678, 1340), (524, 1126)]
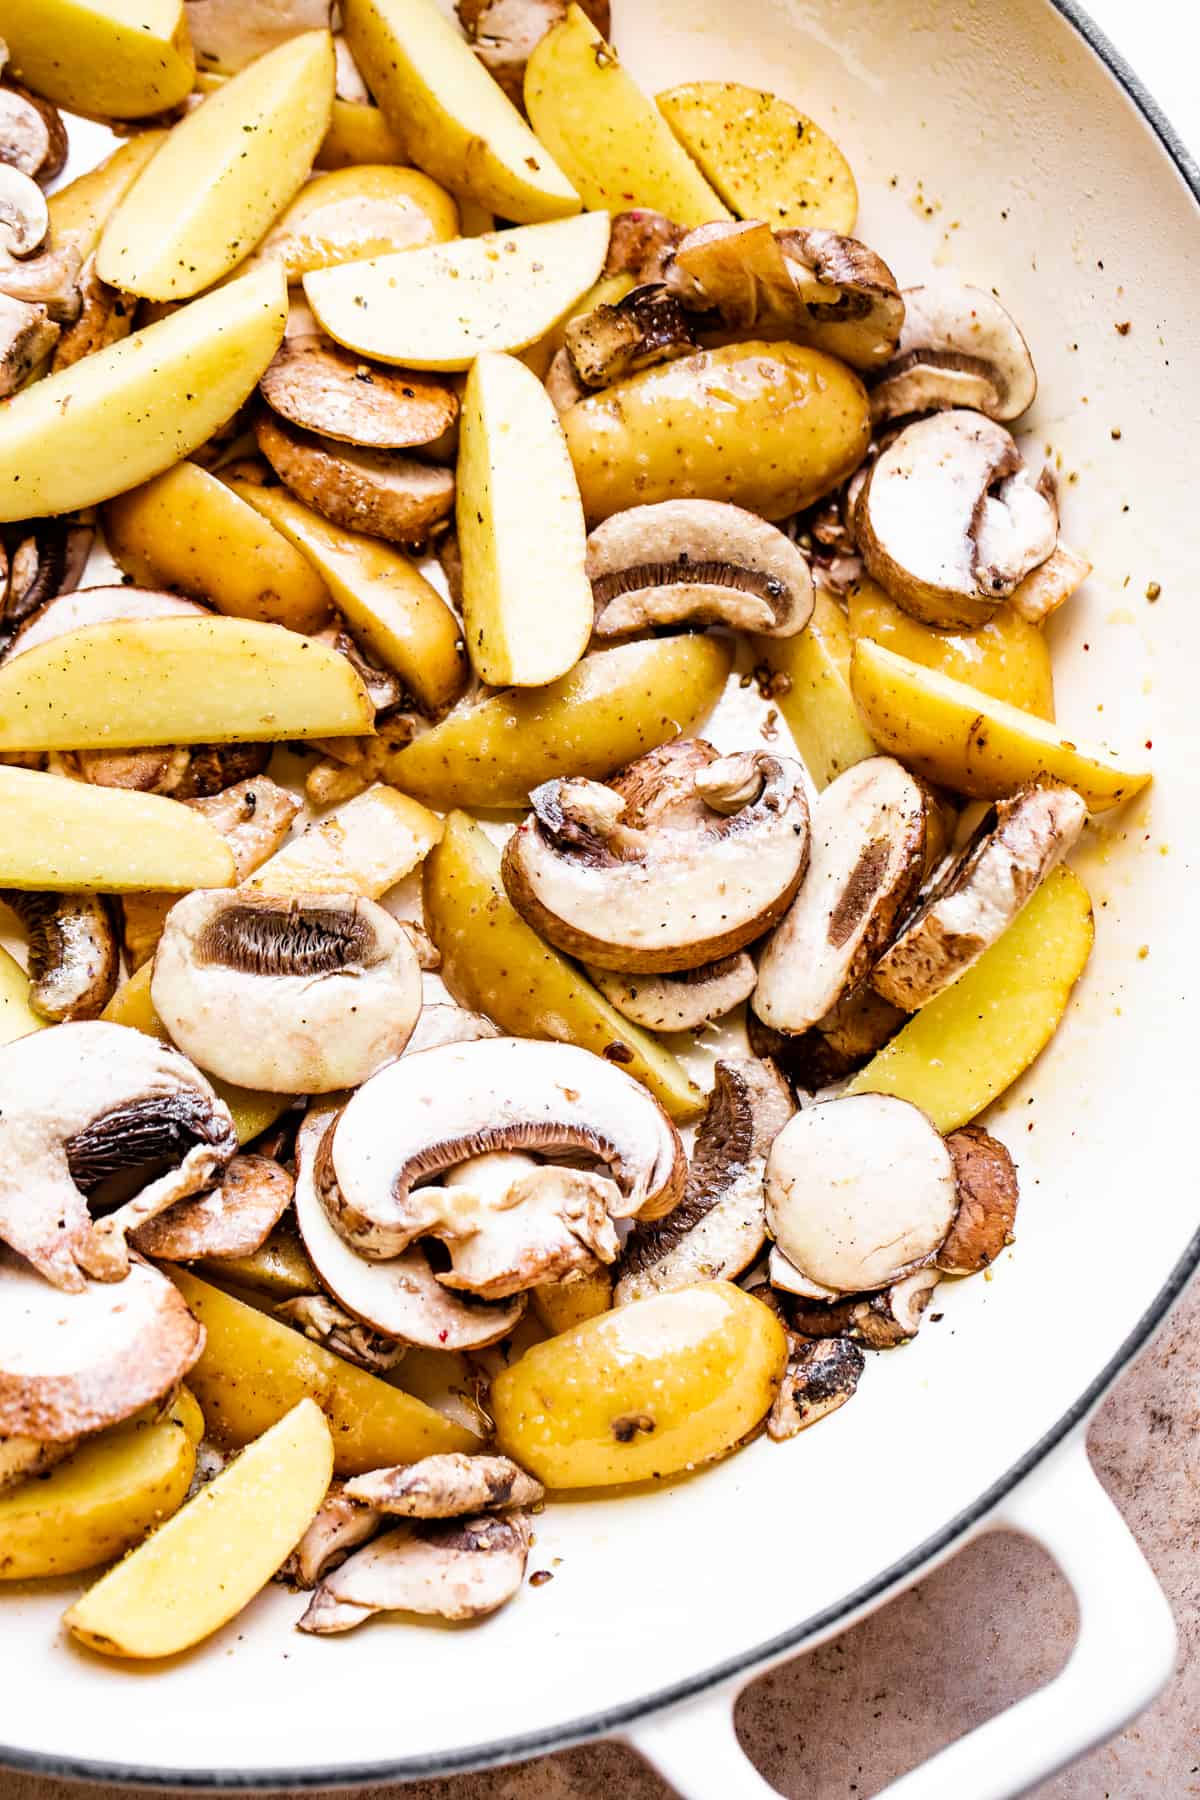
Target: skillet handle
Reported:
[(1123, 1655)]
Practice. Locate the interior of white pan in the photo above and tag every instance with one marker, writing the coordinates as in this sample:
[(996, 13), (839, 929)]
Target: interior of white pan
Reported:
[(990, 142)]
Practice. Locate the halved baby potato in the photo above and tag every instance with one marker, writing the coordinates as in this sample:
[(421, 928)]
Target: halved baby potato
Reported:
[(349, 214), (66, 836), (116, 59)]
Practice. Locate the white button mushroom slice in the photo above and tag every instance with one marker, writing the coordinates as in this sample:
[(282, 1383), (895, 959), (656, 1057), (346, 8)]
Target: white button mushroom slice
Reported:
[(848, 1036), (320, 387), (958, 348), (85, 1102), (72, 1363), (818, 1379), (869, 829), (22, 1458), (1017, 844), (235, 1219), (341, 1525), (697, 562), (880, 1321), (328, 1325), (24, 216), (681, 1002), (646, 326), (28, 336), (683, 858), (99, 606), (446, 1487), (381, 492), (73, 960), (439, 1025), (860, 1191), (300, 994), (719, 1227), (987, 1202), (452, 1569), (227, 34), (784, 1275), (1050, 585)]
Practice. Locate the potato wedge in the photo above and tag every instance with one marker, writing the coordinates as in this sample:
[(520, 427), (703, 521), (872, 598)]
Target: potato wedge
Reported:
[(956, 735), (223, 176), (254, 1369), (177, 681), (349, 214), (117, 59), (438, 308), (79, 211), (149, 400), (961, 1051), (493, 963), (613, 705), (443, 102), (189, 531), (605, 132), (385, 600), (814, 694), (357, 135), (207, 1563), (765, 159), (17, 1017), (527, 619), (365, 848), (1007, 658), (68, 837)]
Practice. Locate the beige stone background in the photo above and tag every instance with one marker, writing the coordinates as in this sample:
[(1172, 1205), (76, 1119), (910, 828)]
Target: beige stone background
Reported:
[(985, 1629)]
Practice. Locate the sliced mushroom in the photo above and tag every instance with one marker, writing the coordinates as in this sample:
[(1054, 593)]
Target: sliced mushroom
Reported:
[(73, 961), (1047, 587), (383, 687), (379, 492), (696, 562), (847, 1037), (50, 612), (235, 1219), (446, 1487), (105, 317), (646, 326), (860, 1192), (719, 1227), (254, 816), (683, 858), (24, 216), (505, 33), (188, 772), (958, 348), (563, 384), (227, 34), (640, 244), (84, 1104), (47, 560), (818, 1379), (322, 388), (880, 1321), (453, 1569), (28, 336), (326, 1324), (987, 1202), (439, 1025), (682, 1002), (74, 1362), (1015, 846), (299, 994), (868, 857), (949, 521), (341, 1525), (512, 1223), (33, 137), (21, 1458)]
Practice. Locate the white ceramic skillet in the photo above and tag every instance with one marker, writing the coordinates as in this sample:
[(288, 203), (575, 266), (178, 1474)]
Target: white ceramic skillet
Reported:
[(1004, 141)]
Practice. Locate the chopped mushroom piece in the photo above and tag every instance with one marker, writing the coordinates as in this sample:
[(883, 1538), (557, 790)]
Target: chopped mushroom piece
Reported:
[(295, 994), (24, 216), (105, 317), (319, 1319), (1015, 846), (86, 1102), (682, 858), (28, 336), (382, 493), (868, 857), (227, 34), (446, 1487), (958, 348), (719, 1226), (563, 384), (384, 689), (696, 562), (235, 1219), (33, 137), (439, 1025), (341, 1525), (1048, 586), (453, 1569), (987, 1202), (818, 1379), (73, 961), (682, 1002), (847, 1037), (640, 244), (646, 326), (880, 1321), (319, 386), (188, 772), (505, 33)]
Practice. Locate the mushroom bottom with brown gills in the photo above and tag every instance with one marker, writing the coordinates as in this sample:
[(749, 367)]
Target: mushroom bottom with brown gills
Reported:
[(846, 1038), (295, 995), (73, 960), (880, 1321), (958, 348), (680, 1002), (383, 493), (325, 1323), (449, 1568)]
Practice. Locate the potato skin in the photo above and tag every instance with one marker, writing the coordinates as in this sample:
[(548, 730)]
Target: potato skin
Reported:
[(770, 427), (815, 698), (642, 1392), (1007, 657)]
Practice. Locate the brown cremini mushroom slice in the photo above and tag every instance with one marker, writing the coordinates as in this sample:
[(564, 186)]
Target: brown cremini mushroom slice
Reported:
[(322, 388), (868, 857), (719, 1227), (452, 1569), (384, 689), (1015, 846), (295, 994), (818, 1379), (949, 521), (987, 1202), (505, 33), (83, 1105), (28, 336), (446, 1487), (234, 1219), (640, 244), (327, 1324), (188, 772), (958, 348), (681, 1002), (682, 858), (880, 1321), (646, 326), (341, 1525), (860, 1192), (227, 34), (73, 960), (382, 493), (562, 384), (105, 317), (33, 137), (696, 562), (848, 1036), (74, 1362)]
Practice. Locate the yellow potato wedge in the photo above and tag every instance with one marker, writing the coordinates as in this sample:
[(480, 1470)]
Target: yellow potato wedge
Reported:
[(207, 1563), (79, 211), (765, 159), (66, 836), (961, 1051), (223, 176), (613, 706), (350, 214), (1007, 658), (527, 618), (102, 1500), (955, 735), (387, 603), (147, 401), (254, 1369), (814, 694), (117, 59), (365, 848), (606, 133), (177, 681), (17, 1017), (359, 134), (279, 1268), (439, 308), (494, 963), (442, 101), (189, 531)]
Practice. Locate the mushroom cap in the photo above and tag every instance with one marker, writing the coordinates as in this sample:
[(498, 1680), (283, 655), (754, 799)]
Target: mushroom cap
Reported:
[(868, 856), (382, 493), (73, 959), (683, 858), (681, 1002), (24, 216), (294, 994), (446, 1487), (72, 1363), (453, 1569), (696, 562), (860, 1191), (818, 1379), (234, 1219), (99, 606), (33, 137), (320, 387), (987, 1202), (958, 348)]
